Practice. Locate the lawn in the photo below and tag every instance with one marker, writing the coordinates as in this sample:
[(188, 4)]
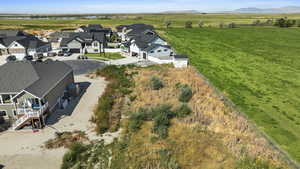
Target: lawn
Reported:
[(106, 56), (257, 68)]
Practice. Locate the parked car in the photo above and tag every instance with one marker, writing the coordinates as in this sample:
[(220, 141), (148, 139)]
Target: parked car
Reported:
[(51, 54), (60, 53), (11, 58), (67, 54), (29, 57), (39, 56)]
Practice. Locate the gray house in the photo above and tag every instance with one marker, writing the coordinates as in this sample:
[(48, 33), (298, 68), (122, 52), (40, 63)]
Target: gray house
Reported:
[(20, 44), (29, 91), (84, 42)]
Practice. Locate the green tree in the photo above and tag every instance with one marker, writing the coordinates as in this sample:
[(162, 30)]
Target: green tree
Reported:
[(188, 24), (168, 24), (200, 24)]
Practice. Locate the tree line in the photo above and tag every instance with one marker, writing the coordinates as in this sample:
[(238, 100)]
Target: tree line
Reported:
[(282, 22)]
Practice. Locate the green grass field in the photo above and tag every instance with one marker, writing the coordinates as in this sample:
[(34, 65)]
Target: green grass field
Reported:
[(257, 68), (107, 56), (178, 20)]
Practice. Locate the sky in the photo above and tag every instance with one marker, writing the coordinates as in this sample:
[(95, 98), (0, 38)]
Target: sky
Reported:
[(134, 6)]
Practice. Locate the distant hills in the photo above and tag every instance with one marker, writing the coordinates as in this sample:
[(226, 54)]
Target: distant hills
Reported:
[(181, 11), (288, 9)]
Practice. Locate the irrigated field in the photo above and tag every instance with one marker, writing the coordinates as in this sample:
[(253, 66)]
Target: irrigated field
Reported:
[(158, 20), (257, 68)]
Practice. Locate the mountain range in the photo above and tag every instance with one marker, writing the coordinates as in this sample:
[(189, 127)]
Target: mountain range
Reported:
[(287, 9)]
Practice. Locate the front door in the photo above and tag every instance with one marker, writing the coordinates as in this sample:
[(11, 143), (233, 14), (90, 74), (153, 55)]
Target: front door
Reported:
[(144, 56)]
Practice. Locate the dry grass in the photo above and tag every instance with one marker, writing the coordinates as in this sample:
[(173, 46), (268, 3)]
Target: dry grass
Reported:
[(224, 131), (66, 139)]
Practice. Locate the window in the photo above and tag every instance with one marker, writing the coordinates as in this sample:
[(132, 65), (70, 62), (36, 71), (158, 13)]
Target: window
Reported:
[(159, 51), (152, 51), (96, 50), (3, 113), (96, 44), (16, 45), (166, 50), (6, 99)]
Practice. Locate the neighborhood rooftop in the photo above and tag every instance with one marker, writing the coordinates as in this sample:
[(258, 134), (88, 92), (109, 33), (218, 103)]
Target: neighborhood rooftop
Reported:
[(34, 77)]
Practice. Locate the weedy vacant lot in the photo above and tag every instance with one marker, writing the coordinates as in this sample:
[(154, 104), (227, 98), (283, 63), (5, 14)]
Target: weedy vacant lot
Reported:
[(257, 68)]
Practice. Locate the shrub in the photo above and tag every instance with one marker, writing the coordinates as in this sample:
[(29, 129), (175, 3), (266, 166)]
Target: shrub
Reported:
[(232, 25), (186, 93), (73, 155), (188, 24), (200, 24), (136, 120), (285, 23), (183, 110), (161, 116), (119, 86), (168, 23), (66, 139), (156, 83)]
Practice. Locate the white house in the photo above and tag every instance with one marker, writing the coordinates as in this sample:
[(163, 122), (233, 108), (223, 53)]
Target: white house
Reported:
[(84, 43), (27, 46)]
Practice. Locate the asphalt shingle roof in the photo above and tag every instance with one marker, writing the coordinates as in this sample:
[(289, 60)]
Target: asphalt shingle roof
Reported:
[(154, 46), (36, 78), (85, 37)]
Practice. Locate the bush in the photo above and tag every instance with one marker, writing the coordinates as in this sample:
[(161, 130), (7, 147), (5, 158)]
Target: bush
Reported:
[(156, 83), (183, 110), (186, 93), (188, 24), (136, 120), (285, 23), (73, 155), (119, 86), (232, 25), (161, 116)]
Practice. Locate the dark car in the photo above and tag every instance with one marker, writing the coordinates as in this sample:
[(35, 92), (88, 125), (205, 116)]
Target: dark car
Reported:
[(29, 57), (11, 58), (60, 53), (66, 54)]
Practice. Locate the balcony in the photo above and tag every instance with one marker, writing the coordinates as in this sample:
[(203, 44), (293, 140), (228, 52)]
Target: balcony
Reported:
[(34, 111)]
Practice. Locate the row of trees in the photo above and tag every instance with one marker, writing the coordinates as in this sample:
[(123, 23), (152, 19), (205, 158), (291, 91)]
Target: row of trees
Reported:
[(282, 22)]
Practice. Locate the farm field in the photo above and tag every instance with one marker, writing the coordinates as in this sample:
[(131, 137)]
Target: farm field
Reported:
[(257, 68), (178, 20)]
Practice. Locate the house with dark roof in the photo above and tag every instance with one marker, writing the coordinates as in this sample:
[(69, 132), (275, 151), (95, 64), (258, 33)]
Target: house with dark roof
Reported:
[(29, 91), (21, 44), (84, 42), (92, 28), (126, 32)]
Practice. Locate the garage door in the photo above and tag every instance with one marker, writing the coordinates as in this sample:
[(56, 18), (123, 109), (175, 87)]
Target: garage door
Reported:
[(75, 50)]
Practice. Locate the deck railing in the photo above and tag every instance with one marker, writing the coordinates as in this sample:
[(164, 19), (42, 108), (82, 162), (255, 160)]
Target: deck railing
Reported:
[(29, 113)]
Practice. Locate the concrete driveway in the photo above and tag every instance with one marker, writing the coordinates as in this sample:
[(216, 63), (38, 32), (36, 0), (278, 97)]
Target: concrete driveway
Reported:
[(81, 67)]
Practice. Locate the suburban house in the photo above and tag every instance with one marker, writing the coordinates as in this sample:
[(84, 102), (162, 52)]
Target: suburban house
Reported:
[(91, 28), (20, 44), (149, 47), (126, 32), (55, 38), (29, 91), (84, 42), (141, 41)]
